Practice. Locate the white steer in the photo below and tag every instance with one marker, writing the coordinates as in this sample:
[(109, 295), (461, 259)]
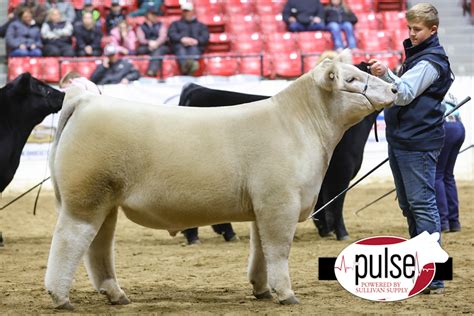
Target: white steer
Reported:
[(178, 167)]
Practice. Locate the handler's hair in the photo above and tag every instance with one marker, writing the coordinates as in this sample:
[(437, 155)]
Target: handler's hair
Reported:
[(425, 13), (68, 77)]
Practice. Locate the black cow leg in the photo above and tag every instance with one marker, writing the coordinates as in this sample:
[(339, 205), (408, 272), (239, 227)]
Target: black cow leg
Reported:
[(319, 219), (335, 219), (191, 235), (1, 240), (225, 230)]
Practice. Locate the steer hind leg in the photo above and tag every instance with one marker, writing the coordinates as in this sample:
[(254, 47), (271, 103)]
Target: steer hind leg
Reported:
[(276, 227), (99, 262), (72, 237), (257, 269)]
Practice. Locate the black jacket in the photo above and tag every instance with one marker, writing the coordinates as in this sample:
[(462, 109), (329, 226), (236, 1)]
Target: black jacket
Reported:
[(303, 10), (194, 29), (85, 37), (339, 15), (117, 71)]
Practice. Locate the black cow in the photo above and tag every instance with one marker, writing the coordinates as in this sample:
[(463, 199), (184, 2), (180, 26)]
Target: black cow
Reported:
[(345, 163), (24, 103)]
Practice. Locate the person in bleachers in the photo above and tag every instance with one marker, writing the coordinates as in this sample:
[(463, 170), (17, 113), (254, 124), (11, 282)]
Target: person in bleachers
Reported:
[(304, 15), (23, 36), (124, 38), (38, 11), (65, 7), (88, 36), (88, 6), (152, 37), (57, 35), (114, 69), (114, 17), (189, 38), (340, 18), (146, 5)]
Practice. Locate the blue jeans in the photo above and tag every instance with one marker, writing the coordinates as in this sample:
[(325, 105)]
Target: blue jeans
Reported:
[(25, 52), (299, 27), (336, 28), (446, 192), (414, 175)]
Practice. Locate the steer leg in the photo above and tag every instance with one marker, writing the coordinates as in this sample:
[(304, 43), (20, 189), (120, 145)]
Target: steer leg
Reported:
[(257, 269), (99, 262), (72, 237), (276, 227)]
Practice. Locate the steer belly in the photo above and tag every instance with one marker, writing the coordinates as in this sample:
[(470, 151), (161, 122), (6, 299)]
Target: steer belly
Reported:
[(162, 171)]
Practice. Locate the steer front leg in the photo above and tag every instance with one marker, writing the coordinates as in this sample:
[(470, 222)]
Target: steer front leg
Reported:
[(257, 268), (276, 227)]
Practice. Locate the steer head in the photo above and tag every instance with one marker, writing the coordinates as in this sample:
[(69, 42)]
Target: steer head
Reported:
[(351, 93), (24, 103)]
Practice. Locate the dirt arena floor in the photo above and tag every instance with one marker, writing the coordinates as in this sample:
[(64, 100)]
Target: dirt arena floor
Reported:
[(161, 275)]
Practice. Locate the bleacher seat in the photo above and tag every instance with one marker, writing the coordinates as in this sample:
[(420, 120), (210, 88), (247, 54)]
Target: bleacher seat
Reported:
[(368, 21), (398, 36), (394, 20), (49, 69), (247, 43), (373, 41), (255, 65), (392, 60), (314, 42), (310, 61), (215, 23), (19, 65), (171, 7), (272, 23), (390, 5), (280, 42), (244, 8), (287, 65), (207, 7), (218, 42), (269, 7), (237, 24), (221, 65)]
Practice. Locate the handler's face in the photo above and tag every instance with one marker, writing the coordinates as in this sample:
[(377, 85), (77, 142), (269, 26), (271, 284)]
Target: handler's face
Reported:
[(419, 32)]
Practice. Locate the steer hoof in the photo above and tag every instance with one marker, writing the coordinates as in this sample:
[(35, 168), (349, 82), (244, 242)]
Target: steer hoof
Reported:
[(66, 306), (263, 296), (290, 301), (123, 300)]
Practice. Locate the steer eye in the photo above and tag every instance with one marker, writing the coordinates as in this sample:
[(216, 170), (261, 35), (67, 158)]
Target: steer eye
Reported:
[(350, 80)]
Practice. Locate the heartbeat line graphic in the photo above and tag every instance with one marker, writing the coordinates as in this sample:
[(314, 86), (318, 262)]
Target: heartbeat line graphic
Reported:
[(417, 266), (343, 265)]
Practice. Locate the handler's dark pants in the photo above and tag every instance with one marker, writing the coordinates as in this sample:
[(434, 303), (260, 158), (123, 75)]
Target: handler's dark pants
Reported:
[(446, 192), (225, 229)]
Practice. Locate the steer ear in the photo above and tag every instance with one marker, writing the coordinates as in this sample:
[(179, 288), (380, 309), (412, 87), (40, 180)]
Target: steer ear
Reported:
[(327, 76)]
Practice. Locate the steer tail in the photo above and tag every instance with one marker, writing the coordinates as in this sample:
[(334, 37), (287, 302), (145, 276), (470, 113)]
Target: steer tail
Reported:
[(71, 101)]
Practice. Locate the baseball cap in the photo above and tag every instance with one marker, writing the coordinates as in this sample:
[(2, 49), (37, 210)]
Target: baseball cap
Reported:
[(110, 50), (187, 6)]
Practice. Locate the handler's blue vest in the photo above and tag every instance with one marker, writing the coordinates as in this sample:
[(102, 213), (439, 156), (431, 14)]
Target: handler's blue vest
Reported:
[(418, 126)]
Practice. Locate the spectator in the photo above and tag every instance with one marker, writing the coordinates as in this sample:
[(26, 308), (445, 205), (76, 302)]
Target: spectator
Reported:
[(339, 17), (38, 11), (124, 38), (57, 35), (66, 9), (88, 6), (23, 36), (446, 191), (114, 69), (88, 36), (115, 16), (189, 38), (304, 15), (152, 39), (147, 5)]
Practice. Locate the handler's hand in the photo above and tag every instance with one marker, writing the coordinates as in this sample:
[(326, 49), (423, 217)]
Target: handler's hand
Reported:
[(377, 68)]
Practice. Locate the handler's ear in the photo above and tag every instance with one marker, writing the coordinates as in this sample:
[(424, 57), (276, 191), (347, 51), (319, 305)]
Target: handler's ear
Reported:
[(327, 75)]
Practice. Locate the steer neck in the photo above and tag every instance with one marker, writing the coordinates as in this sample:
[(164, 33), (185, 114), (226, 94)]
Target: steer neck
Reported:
[(299, 108)]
